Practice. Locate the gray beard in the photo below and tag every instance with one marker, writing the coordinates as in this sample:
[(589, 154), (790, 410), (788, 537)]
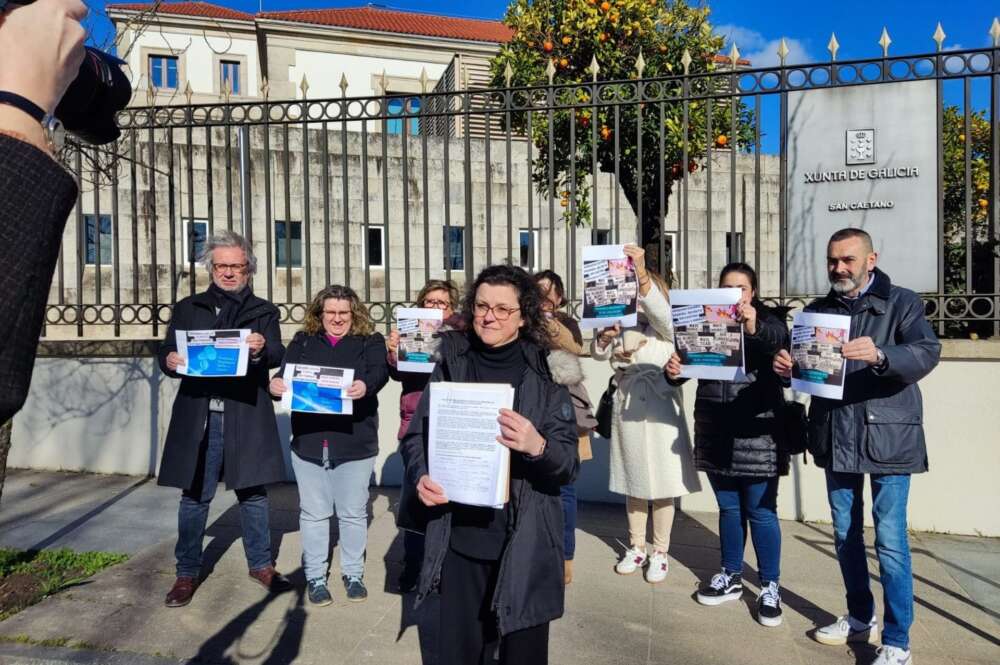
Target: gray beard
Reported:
[(845, 284)]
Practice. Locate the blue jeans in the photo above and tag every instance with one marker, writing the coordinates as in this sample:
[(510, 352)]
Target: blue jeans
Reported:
[(192, 516), (753, 500), (568, 495), (892, 547), (342, 488)]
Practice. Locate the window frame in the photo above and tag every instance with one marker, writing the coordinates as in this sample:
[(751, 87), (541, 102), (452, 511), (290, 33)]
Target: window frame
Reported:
[(107, 258), (381, 235), (290, 249), (447, 244)]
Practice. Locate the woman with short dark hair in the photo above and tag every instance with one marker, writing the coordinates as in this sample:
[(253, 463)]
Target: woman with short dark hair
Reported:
[(333, 455), (498, 571)]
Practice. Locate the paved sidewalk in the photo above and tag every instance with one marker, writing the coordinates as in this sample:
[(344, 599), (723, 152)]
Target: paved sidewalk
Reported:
[(118, 616)]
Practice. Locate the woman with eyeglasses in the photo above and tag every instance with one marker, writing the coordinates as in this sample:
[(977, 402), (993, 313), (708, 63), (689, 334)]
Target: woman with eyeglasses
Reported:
[(439, 294), (651, 459), (566, 345), (498, 571), (333, 455)]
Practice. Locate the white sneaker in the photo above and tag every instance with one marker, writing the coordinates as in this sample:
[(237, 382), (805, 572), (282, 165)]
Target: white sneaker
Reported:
[(631, 561), (847, 629), (657, 570), (893, 656)]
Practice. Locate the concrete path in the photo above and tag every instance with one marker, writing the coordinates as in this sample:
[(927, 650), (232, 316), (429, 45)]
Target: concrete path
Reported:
[(118, 616)]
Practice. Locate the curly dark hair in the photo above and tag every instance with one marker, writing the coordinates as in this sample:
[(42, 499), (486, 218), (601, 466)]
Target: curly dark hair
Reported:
[(361, 322), (556, 284), (529, 299)]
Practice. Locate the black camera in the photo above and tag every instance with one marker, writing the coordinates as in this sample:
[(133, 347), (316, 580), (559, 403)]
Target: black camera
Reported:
[(95, 97)]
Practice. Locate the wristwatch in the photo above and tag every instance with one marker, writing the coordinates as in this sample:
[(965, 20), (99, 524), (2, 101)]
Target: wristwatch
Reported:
[(880, 358), (51, 126)]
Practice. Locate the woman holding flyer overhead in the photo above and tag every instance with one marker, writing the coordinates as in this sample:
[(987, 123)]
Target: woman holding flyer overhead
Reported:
[(651, 457), (737, 443), (333, 455), (499, 571)]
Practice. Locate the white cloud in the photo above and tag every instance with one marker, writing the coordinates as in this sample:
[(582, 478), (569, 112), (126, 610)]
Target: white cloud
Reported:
[(954, 47), (760, 50)]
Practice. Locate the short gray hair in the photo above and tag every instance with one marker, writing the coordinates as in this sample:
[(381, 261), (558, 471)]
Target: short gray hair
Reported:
[(228, 239)]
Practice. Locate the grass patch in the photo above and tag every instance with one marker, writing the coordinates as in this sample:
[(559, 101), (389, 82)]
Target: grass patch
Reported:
[(27, 577)]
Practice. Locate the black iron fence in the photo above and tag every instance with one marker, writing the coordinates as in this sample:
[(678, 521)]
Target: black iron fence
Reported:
[(383, 193)]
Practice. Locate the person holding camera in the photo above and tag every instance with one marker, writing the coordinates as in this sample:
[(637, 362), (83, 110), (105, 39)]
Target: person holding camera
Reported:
[(41, 48), (737, 442)]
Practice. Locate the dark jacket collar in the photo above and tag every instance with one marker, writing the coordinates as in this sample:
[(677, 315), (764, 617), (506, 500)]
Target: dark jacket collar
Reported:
[(254, 306)]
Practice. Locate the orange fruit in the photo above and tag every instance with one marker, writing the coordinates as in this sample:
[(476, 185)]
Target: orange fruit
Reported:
[(547, 45), (605, 6), (567, 40), (563, 62), (961, 137), (603, 37), (721, 140), (983, 203)]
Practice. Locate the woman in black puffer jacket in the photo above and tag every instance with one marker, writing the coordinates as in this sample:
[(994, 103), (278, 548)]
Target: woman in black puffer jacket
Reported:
[(738, 444)]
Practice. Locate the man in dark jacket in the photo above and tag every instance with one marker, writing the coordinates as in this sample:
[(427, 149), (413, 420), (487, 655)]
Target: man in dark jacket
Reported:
[(875, 429), (224, 428)]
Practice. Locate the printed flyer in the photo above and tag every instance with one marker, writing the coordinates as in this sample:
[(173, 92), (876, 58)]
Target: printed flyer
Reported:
[(213, 353), (610, 287), (316, 389), (418, 338), (707, 333), (819, 366)]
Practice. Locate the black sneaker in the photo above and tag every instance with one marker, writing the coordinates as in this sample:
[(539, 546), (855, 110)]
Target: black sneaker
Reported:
[(723, 588), (356, 591), (769, 606), (318, 593)]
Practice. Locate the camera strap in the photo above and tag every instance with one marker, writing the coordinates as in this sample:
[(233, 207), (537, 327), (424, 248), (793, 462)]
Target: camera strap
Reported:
[(22, 103)]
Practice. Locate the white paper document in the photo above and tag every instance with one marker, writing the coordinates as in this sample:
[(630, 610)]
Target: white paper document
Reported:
[(213, 353), (418, 338), (610, 288), (707, 333), (317, 389), (819, 367), (464, 456)]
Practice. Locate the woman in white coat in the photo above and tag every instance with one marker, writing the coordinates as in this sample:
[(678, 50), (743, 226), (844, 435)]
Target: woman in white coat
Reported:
[(651, 457)]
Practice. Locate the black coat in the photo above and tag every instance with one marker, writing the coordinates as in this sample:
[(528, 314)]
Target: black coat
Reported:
[(253, 454), (529, 589), (736, 424), (877, 427), (36, 196), (350, 437)]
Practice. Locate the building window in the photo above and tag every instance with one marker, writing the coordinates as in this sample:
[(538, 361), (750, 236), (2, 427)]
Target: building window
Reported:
[(399, 106), (375, 247), (90, 223), (528, 248), (734, 246), (195, 233), (454, 248), (600, 237), (288, 241), (230, 72), (163, 71)]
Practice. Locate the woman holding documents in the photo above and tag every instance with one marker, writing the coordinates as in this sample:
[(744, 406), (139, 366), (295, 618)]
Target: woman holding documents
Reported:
[(333, 455), (497, 570), (651, 459), (736, 433)]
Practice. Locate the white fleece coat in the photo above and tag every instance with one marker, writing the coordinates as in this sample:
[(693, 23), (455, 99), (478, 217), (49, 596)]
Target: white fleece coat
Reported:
[(651, 455)]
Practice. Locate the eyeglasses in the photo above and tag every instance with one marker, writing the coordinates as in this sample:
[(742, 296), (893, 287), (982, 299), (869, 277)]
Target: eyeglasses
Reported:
[(227, 267), (500, 312), (437, 304)]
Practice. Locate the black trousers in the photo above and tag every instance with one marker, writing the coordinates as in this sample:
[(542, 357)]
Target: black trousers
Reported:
[(468, 630)]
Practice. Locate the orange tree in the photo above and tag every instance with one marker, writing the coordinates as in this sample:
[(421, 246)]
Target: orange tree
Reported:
[(572, 33), (955, 140)]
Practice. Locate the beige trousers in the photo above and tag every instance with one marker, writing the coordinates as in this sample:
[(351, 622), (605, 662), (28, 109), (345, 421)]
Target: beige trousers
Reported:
[(663, 522)]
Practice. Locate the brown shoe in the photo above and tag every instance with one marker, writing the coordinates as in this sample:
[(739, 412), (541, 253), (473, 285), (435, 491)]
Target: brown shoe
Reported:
[(271, 579), (567, 571), (182, 592)]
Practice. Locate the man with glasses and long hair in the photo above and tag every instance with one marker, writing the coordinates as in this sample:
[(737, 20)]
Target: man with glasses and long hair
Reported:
[(224, 428)]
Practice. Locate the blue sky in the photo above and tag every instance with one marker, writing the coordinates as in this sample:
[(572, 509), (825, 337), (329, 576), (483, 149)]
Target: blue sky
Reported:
[(756, 26)]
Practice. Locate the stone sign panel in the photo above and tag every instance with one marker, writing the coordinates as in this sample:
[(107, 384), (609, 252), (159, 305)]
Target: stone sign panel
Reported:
[(863, 156)]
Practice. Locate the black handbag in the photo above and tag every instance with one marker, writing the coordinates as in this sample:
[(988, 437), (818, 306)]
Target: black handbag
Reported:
[(794, 428), (605, 407)]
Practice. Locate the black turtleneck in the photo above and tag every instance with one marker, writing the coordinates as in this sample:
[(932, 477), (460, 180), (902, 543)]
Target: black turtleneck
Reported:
[(476, 531)]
